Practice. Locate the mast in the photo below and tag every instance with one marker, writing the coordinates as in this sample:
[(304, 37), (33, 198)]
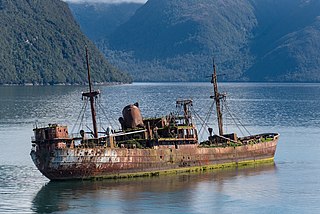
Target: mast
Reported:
[(92, 95), (217, 97)]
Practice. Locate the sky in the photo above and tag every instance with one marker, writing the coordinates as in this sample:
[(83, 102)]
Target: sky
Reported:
[(108, 1)]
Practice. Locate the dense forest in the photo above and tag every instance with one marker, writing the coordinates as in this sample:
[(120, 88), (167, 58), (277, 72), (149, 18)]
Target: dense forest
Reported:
[(42, 44), (251, 40)]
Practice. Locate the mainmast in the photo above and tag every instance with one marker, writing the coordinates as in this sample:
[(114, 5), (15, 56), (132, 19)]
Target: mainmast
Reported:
[(92, 95), (217, 97)]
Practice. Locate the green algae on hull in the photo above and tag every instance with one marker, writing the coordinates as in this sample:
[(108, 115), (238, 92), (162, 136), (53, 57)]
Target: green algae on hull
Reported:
[(188, 170)]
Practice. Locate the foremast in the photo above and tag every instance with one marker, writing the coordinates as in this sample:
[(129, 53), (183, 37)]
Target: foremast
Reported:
[(217, 97), (92, 96)]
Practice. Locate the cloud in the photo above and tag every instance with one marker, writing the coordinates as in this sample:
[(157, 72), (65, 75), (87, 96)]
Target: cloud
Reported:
[(105, 1)]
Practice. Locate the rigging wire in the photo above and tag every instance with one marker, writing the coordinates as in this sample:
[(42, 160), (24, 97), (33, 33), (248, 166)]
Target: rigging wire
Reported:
[(97, 113), (198, 116), (203, 122), (105, 114), (83, 116), (207, 117), (83, 109), (226, 109), (223, 111), (235, 120)]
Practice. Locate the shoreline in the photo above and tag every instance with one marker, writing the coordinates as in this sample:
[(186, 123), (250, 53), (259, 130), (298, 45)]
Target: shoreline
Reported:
[(68, 84)]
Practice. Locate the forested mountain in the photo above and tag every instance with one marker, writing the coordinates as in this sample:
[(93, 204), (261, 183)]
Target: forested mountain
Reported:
[(99, 20), (286, 44), (175, 40), (42, 44)]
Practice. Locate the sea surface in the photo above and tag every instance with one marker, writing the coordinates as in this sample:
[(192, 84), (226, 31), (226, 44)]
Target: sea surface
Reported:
[(290, 185)]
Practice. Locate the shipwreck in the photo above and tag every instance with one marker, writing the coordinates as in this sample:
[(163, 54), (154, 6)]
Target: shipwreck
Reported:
[(144, 146)]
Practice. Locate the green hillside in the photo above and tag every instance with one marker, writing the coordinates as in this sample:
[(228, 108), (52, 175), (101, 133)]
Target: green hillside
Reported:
[(286, 43), (180, 37), (42, 44), (251, 40)]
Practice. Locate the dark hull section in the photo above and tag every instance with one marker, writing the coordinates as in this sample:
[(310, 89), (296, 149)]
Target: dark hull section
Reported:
[(101, 162)]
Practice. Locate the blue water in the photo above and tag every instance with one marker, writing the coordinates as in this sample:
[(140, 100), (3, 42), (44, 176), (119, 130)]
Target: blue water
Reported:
[(291, 185)]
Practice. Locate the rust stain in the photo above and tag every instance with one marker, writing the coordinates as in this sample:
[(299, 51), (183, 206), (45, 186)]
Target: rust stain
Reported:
[(143, 146), (57, 162)]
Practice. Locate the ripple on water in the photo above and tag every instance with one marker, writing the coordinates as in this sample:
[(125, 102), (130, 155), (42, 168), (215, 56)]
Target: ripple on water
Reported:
[(18, 186)]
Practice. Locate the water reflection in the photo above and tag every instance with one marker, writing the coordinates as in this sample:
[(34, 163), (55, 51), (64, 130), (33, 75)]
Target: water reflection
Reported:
[(18, 186), (290, 109), (137, 195)]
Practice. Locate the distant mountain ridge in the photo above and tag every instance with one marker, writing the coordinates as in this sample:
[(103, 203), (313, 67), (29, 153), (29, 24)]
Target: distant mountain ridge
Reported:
[(288, 47), (98, 20), (42, 44), (252, 40)]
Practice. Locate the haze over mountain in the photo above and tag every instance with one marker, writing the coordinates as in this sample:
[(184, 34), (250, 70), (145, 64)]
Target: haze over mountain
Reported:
[(173, 40), (99, 20), (106, 1), (42, 44), (286, 44)]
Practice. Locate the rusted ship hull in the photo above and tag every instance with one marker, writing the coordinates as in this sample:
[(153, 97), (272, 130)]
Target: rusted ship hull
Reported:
[(102, 162), (149, 146)]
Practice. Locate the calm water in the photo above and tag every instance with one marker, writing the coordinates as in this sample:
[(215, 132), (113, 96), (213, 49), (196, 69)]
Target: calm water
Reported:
[(292, 185)]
